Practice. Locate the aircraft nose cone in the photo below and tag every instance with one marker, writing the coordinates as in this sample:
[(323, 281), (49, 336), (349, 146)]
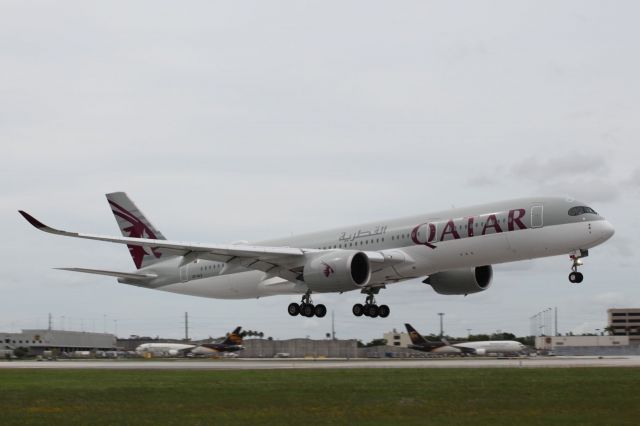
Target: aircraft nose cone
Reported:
[(607, 230)]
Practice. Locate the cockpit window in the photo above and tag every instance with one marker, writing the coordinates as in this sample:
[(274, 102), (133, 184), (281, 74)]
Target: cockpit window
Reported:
[(577, 211)]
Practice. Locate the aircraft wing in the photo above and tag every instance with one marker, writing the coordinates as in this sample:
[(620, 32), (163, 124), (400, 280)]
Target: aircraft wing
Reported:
[(277, 261), (117, 274), (465, 349)]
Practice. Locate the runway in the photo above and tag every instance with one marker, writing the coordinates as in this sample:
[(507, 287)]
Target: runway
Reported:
[(297, 364)]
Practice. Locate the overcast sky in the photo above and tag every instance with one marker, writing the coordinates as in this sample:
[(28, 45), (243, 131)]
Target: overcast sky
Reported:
[(249, 120)]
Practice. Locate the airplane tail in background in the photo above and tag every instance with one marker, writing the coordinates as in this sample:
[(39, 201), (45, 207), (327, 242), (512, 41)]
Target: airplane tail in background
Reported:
[(234, 338), (133, 223), (416, 338)]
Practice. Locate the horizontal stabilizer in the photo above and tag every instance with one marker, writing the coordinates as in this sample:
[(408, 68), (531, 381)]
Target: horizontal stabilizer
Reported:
[(126, 275)]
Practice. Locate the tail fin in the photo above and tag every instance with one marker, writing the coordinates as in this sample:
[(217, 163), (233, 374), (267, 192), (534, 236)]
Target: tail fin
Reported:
[(416, 338), (133, 223), (234, 338)]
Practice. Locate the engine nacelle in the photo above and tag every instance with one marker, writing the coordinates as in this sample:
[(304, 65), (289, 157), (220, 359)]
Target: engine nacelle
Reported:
[(461, 281), (337, 271)]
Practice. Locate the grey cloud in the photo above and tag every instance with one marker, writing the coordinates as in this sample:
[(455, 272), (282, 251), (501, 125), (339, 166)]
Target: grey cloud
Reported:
[(587, 189), (623, 245), (570, 165), (230, 121), (633, 182), (482, 181)]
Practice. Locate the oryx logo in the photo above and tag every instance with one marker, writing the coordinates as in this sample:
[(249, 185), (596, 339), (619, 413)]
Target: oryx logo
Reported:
[(328, 270), (138, 229)]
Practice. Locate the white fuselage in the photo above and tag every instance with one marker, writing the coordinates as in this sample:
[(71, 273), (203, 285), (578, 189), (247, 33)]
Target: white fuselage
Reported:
[(422, 245), (162, 349), (492, 347)]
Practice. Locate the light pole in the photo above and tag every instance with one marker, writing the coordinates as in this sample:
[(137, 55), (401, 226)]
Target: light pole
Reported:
[(441, 329)]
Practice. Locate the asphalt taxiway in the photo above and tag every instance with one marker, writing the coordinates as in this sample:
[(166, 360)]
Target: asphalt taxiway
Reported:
[(293, 364)]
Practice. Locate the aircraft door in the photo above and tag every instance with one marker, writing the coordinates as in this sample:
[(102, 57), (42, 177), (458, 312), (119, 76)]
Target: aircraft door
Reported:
[(536, 216)]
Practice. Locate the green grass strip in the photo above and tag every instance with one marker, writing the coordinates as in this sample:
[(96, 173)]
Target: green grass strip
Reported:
[(550, 396)]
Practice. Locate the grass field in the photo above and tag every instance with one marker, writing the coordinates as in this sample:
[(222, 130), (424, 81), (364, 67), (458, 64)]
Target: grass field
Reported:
[(551, 396)]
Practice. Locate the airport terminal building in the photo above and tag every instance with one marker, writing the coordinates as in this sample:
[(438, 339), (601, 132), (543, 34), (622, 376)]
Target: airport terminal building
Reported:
[(57, 341), (625, 322)]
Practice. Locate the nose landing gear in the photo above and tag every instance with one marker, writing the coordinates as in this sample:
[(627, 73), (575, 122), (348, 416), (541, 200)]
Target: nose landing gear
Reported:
[(306, 308), (575, 276), (370, 309)]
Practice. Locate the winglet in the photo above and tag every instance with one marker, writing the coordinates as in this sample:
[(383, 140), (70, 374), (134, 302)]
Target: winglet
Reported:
[(32, 220), (42, 227)]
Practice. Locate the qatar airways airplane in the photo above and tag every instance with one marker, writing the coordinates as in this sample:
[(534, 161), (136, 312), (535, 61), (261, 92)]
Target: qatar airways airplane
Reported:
[(454, 249)]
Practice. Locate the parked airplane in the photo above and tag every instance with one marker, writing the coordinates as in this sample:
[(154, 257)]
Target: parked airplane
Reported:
[(504, 347), (454, 249), (231, 343), (164, 349)]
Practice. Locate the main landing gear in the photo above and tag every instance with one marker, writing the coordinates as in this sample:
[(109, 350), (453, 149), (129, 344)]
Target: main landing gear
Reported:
[(306, 308), (370, 309), (575, 276)]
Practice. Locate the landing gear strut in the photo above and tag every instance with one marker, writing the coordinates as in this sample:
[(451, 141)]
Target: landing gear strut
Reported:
[(370, 309), (306, 308), (575, 276)]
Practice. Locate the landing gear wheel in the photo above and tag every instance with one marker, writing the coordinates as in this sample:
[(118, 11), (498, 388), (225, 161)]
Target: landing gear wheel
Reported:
[(294, 309), (308, 310), (384, 311), (320, 310), (371, 311), (576, 277), (358, 310)]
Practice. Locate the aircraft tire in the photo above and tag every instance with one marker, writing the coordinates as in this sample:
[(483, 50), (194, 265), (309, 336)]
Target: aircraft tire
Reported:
[(293, 309), (358, 310), (575, 277), (373, 311), (384, 311), (320, 310), (308, 310)]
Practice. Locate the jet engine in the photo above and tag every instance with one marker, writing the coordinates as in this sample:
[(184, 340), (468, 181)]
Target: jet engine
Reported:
[(337, 271), (461, 281)]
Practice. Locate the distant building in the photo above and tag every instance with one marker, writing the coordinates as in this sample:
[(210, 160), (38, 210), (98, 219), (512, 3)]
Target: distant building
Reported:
[(299, 348), (38, 341), (552, 343), (625, 322), (397, 339)]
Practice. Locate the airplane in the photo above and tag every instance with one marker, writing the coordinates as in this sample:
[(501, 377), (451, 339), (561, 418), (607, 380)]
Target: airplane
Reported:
[(231, 343), (164, 349), (454, 249), (481, 348)]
